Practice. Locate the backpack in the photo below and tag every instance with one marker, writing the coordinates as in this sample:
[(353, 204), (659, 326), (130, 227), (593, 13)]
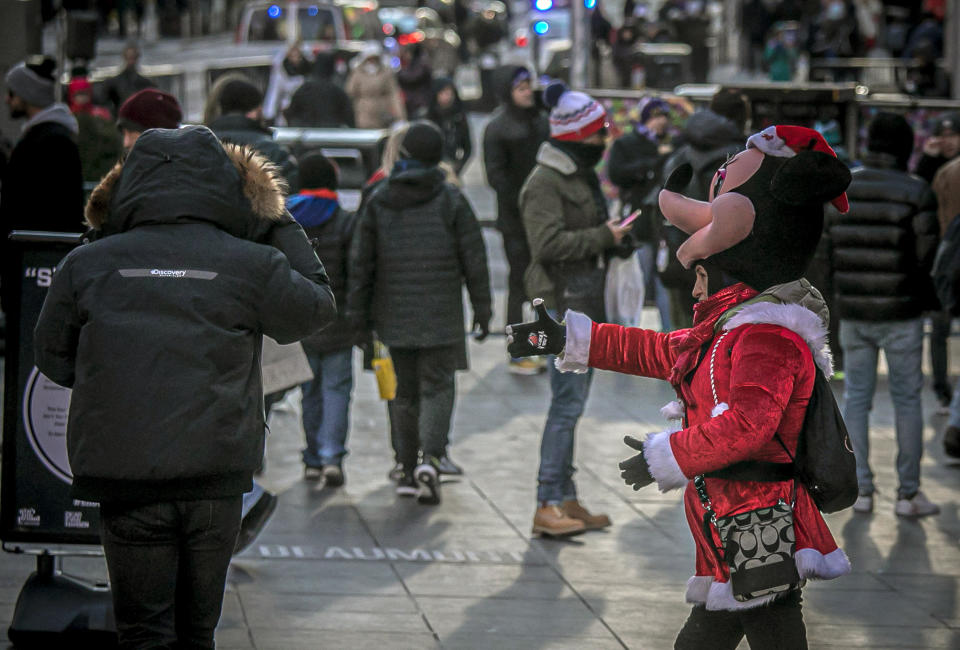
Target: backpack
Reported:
[(946, 269), (825, 463)]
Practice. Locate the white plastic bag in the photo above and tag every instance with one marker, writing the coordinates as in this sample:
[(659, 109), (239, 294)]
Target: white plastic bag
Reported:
[(624, 292)]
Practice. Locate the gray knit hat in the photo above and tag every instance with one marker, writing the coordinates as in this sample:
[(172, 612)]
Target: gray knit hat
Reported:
[(31, 84)]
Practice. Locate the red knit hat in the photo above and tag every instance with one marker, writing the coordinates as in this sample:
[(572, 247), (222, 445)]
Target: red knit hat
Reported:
[(150, 109), (786, 141)]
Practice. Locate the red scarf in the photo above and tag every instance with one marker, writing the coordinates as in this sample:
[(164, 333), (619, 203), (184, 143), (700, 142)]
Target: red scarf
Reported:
[(705, 316)]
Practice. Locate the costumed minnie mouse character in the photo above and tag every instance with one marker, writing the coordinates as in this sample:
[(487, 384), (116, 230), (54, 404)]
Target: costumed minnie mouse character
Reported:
[(743, 373)]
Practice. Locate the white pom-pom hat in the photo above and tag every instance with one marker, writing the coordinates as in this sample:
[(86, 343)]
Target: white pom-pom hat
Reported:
[(574, 115)]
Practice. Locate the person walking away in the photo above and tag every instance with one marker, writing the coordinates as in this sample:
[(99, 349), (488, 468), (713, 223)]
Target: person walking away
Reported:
[(880, 301), (417, 242), (710, 137), (326, 398), (320, 102), (98, 141), (174, 292), (635, 166), (118, 89), (447, 112), (415, 77), (42, 180), (946, 186), (374, 91), (241, 122), (570, 234), (510, 144), (939, 149)]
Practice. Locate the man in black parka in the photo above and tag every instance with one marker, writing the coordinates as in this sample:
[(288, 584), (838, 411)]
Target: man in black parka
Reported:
[(417, 242), (157, 326), (510, 144)]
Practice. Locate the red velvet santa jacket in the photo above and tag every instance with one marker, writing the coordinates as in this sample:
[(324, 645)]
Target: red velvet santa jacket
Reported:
[(764, 370)]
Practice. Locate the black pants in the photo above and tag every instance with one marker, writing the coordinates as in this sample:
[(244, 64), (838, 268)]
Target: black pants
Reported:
[(168, 567), (518, 258), (777, 626), (424, 403), (939, 334)]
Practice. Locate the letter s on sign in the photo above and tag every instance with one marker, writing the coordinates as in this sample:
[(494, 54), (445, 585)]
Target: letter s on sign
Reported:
[(44, 277)]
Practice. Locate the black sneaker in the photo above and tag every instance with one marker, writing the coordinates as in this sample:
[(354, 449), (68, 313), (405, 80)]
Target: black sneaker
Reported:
[(256, 519), (312, 473), (406, 485), (951, 442), (429, 479), (333, 475), (446, 466)]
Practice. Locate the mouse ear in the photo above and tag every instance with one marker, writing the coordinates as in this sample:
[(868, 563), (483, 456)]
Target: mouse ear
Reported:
[(810, 177)]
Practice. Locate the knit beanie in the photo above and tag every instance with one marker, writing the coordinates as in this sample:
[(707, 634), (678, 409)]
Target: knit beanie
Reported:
[(652, 106), (949, 122), (890, 133), (149, 109), (423, 142), (573, 115), (317, 172), (240, 96), (32, 81)]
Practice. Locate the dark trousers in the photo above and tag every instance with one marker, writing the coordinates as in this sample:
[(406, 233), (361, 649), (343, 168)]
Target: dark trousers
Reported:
[(939, 334), (518, 258), (777, 625), (168, 567), (424, 403)]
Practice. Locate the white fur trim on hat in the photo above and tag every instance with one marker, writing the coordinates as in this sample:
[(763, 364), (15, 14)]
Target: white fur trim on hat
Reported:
[(770, 143), (576, 353), (662, 463)]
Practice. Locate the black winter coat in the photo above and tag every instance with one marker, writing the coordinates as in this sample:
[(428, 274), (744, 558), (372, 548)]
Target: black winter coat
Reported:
[(635, 167), (881, 251), (457, 144), (157, 325), (510, 144), (320, 104), (240, 129), (42, 186), (416, 243)]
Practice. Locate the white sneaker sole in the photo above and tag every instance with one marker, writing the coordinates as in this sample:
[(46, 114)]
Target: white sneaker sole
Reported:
[(429, 480)]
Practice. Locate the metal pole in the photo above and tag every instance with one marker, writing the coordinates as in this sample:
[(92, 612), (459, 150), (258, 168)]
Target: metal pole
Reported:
[(580, 45)]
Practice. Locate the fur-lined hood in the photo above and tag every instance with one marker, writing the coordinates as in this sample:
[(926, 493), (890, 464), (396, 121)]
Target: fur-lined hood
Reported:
[(177, 175)]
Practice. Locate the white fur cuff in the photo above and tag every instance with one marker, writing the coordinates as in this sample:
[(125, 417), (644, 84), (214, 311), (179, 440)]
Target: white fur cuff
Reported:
[(663, 466), (576, 355), (812, 564)]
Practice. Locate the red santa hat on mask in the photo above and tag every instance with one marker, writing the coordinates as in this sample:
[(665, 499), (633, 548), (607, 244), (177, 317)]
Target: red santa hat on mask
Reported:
[(786, 141)]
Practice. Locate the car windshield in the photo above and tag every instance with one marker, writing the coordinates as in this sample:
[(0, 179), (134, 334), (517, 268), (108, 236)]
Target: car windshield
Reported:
[(403, 21), (361, 23), (317, 23), (268, 24)]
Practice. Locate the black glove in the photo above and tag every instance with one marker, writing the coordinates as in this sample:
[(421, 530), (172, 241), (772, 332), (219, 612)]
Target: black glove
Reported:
[(679, 178), (636, 471), (481, 328), (542, 336)]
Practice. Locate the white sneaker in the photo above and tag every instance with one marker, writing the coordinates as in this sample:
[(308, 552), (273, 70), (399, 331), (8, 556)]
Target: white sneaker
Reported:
[(918, 506), (864, 503)]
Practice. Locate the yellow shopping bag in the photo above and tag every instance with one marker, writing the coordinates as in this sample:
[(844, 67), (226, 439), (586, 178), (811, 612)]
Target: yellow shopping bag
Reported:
[(383, 369)]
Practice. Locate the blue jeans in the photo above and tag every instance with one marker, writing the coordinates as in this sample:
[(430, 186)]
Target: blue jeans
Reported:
[(902, 344), (568, 396), (326, 407), (647, 254)]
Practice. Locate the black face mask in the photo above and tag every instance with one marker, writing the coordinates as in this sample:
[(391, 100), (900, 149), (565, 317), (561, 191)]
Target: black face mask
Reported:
[(587, 156)]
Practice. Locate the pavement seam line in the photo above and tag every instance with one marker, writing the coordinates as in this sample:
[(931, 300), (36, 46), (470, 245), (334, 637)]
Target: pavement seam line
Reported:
[(552, 566), (393, 567), (246, 623)]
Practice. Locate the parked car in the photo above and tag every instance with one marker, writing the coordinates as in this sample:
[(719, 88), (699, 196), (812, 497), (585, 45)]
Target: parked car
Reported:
[(408, 25), (346, 24)]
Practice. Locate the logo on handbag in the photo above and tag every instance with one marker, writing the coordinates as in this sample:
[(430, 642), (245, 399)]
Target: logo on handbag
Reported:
[(538, 340)]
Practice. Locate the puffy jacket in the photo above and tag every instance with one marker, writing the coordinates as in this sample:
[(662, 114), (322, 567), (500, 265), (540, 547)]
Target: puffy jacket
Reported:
[(330, 229), (240, 129), (157, 325), (568, 235), (635, 167), (416, 243), (881, 251), (510, 144)]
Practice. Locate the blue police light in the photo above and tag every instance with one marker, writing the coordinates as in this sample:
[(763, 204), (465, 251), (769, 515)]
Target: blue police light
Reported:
[(389, 42), (313, 11), (544, 5), (541, 27), (273, 11), (589, 4)]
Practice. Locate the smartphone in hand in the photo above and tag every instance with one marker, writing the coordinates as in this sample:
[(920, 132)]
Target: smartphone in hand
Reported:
[(630, 219)]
